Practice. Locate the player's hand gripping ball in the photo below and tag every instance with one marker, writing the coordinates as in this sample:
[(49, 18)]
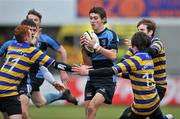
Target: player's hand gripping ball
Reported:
[(90, 35)]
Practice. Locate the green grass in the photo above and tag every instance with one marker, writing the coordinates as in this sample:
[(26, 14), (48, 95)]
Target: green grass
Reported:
[(77, 112)]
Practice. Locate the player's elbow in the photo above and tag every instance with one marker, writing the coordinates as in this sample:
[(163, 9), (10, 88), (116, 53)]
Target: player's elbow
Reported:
[(62, 51), (113, 55)]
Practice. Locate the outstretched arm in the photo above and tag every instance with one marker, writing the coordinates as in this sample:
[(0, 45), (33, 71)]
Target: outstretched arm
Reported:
[(49, 77), (127, 65), (62, 66), (87, 70)]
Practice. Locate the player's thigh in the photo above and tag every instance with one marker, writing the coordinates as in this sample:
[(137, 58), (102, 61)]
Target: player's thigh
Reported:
[(97, 100), (24, 102), (38, 98), (89, 91), (15, 116), (107, 91)]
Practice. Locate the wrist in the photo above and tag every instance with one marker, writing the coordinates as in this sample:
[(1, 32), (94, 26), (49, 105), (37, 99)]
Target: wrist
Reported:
[(96, 47), (53, 82)]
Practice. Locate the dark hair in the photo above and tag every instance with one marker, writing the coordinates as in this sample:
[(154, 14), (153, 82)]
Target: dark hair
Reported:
[(34, 12), (20, 32), (141, 41), (28, 22), (151, 25), (100, 11)]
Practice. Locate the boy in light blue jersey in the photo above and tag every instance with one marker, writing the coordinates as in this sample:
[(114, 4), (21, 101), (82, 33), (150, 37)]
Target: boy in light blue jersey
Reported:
[(43, 43), (99, 90)]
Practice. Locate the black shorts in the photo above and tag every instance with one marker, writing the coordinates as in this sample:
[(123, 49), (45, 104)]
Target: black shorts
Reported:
[(129, 114), (25, 87), (106, 90), (35, 82), (11, 105), (161, 91)]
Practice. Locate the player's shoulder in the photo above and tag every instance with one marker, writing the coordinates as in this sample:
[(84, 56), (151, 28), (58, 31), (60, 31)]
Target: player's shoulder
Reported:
[(142, 56), (155, 39), (111, 34), (45, 37), (9, 42), (110, 31)]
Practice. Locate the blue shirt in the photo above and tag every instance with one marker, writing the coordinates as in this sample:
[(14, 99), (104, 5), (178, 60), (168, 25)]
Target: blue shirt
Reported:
[(43, 43), (108, 40)]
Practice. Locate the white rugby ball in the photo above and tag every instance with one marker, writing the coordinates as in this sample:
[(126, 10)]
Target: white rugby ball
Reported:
[(90, 35)]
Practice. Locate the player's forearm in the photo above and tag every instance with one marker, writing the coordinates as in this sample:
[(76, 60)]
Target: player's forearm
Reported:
[(62, 66), (111, 54), (86, 59), (102, 72), (47, 75), (63, 54)]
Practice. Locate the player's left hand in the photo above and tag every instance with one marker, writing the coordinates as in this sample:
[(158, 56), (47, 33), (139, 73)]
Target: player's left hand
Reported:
[(82, 70)]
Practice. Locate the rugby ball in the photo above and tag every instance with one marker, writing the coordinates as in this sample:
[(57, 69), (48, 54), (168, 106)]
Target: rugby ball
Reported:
[(90, 35)]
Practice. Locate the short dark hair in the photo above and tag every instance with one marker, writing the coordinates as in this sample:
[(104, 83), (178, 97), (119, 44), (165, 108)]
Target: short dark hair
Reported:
[(151, 25), (20, 32), (34, 12), (141, 40), (100, 11), (28, 22)]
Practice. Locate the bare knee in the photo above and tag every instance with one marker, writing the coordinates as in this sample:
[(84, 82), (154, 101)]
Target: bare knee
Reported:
[(38, 99), (39, 104), (91, 109)]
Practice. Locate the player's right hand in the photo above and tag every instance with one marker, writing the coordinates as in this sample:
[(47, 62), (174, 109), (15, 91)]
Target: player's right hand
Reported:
[(82, 40), (36, 36), (58, 85)]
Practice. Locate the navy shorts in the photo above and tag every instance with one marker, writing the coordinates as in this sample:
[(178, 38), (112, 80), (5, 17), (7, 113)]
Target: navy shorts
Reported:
[(11, 105), (36, 82), (107, 90), (25, 87)]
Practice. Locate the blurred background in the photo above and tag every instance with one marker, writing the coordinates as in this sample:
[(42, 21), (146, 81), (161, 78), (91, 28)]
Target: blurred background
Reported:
[(66, 20)]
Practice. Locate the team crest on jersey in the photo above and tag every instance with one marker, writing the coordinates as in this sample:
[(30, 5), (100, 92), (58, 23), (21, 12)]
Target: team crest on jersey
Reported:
[(104, 42), (38, 44)]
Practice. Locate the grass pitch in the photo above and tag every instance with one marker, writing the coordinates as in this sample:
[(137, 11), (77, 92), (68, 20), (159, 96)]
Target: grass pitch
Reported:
[(77, 112)]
